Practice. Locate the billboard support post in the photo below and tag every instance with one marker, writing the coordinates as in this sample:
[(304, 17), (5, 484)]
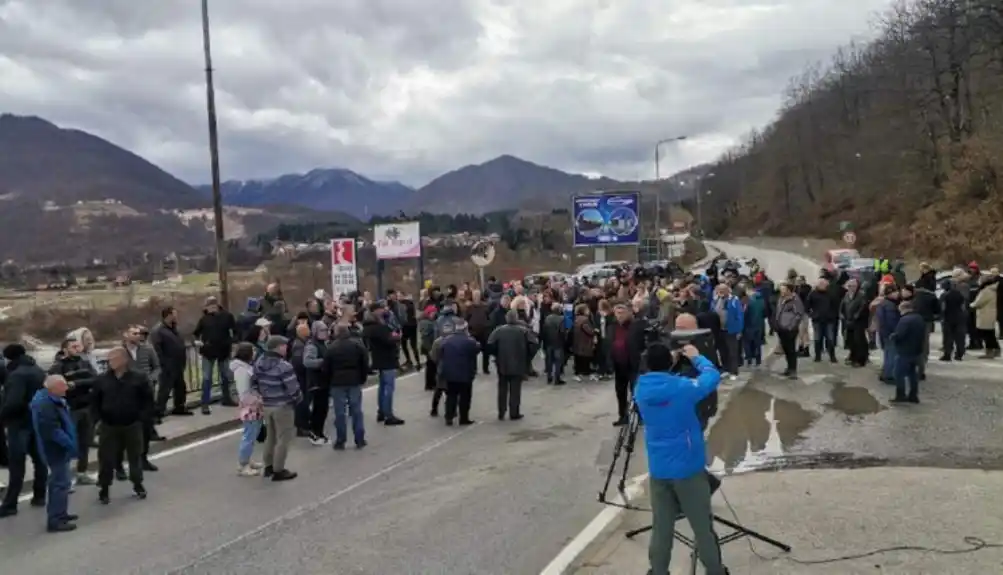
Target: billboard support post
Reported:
[(397, 241), (600, 254)]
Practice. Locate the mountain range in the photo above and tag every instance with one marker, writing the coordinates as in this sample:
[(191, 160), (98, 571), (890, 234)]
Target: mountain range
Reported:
[(67, 194)]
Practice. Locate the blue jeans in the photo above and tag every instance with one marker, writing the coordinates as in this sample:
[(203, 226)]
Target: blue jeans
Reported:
[(20, 446), (385, 392), (224, 379), (348, 399), (889, 361), (825, 336), (58, 505), (553, 361), (906, 376), (247, 440), (752, 347)]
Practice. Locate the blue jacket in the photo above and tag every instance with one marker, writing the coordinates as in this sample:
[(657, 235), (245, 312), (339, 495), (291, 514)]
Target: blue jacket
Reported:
[(54, 430), (888, 319), (569, 315), (458, 358), (909, 335), (672, 434), (734, 316)]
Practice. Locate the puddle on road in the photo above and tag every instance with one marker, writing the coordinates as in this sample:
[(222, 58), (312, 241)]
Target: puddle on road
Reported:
[(853, 401), (541, 434), (755, 427)]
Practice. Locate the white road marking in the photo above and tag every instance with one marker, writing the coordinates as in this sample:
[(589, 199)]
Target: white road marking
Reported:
[(214, 438), (594, 529), (304, 509)]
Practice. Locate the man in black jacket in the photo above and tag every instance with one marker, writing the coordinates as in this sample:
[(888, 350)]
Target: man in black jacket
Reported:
[(855, 314), (512, 345), (121, 401), (346, 367), (79, 376), (925, 303), (24, 379), (215, 333), (954, 321), (823, 309), (383, 348), (173, 355)]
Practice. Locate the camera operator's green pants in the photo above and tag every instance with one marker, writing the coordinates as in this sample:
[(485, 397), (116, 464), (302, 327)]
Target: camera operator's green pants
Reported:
[(691, 496)]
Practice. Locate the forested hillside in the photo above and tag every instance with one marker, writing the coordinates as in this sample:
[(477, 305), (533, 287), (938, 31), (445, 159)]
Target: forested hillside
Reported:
[(902, 137)]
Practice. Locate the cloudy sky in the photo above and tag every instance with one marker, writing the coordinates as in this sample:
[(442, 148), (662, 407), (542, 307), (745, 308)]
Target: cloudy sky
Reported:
[(408, 89)]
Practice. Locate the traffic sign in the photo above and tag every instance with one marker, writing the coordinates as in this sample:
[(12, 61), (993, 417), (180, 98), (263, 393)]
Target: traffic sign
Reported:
[(850, 237), (344, 268)]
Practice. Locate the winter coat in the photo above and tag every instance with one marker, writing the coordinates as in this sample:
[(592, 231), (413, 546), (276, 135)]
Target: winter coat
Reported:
[(985, 305), (512, 346), (217, 332), (583, 337), (790, 312)]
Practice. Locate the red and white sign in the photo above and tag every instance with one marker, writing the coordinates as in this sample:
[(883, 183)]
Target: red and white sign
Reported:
[(850, 238), (344, 267)]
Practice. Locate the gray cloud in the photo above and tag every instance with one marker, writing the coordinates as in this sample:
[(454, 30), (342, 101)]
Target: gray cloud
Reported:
[(399, 89)]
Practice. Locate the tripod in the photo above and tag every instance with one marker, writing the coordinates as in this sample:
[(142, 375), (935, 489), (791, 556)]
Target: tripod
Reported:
[(738, 532), (625, 445)]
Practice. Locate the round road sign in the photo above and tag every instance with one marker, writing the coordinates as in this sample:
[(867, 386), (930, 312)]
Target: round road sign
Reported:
[(850, 238)]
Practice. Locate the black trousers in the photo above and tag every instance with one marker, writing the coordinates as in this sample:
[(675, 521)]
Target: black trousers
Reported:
[(171, 385), (583, 365), (409, 344), (320, 404), (788, 343), (485, 353), (4, 456), (622, 384), (458, 397), (85, 435), (431, 373), (509, 394), (856, 339), (989, 340), (953, 338), (114, 440)]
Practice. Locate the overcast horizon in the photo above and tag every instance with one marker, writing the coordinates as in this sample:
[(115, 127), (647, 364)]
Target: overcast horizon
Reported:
[(400, 92)]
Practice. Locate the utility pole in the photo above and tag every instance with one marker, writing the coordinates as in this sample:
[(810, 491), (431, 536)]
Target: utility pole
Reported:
[(658, 195), (217, 198)]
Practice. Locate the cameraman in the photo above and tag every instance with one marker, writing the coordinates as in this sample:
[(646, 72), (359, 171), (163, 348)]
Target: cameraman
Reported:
[(676, 454)]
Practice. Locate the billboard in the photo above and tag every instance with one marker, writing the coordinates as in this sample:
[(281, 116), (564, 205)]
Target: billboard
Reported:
[(607, 219), (397, 241), (344, 267)]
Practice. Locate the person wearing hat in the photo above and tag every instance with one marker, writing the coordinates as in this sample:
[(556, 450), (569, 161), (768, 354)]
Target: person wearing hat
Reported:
[(667, 403), (215, 334), (24, 379), (275, 382)]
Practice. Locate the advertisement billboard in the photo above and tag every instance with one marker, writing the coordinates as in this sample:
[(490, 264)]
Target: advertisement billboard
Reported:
[(607, 219), (397, 241), (344, 267)]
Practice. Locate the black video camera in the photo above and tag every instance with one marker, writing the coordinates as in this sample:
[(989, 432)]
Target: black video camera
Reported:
[(703, 340)]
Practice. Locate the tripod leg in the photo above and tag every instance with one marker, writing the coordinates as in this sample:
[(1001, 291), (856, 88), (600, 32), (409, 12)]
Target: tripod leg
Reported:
[(754, 534), (635, 532)]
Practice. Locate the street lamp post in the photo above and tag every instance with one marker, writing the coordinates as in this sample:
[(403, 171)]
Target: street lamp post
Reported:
[(658, 195), (217, 198)]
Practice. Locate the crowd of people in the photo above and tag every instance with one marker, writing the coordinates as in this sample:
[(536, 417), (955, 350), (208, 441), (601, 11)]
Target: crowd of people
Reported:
[(284, 371)]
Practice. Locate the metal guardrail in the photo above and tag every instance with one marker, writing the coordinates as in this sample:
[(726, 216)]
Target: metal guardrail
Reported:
[(193, 369)]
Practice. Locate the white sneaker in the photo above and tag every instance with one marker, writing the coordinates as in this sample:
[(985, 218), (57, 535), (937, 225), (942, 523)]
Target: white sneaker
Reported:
[(319, 440), (256, 465), (578, 378), (248, 471), (593, 378)]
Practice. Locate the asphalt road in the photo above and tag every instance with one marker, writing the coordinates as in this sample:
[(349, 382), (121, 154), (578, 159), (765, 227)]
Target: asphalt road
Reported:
[(838, 416), (493, 498)]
